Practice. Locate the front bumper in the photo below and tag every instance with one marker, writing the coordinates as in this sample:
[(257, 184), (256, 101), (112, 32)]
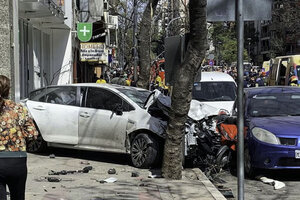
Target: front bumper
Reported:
[(270, 156)]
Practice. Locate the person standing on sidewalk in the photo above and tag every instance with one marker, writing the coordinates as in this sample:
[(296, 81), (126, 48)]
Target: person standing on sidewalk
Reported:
[(15, 127)]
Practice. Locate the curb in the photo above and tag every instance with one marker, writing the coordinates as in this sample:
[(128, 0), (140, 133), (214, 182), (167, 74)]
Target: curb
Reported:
[(209, 186)]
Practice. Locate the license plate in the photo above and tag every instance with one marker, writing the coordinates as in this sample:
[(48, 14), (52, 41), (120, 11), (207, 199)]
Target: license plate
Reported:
[(297, 154)]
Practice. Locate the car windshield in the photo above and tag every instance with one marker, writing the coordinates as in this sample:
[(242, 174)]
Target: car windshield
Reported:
[(138, 96), (214, 91), (268, 105)]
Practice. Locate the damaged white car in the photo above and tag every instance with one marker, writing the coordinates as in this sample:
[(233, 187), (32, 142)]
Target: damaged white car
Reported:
[(100, 117)]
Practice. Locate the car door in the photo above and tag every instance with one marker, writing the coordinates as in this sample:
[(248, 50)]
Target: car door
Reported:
[(99, 125), (55, 112)]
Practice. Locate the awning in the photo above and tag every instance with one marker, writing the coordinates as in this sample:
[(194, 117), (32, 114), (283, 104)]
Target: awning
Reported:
[(45, 13)]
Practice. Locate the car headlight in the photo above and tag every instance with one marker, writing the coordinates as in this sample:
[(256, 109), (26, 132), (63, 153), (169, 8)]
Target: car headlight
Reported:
[(265, 136)]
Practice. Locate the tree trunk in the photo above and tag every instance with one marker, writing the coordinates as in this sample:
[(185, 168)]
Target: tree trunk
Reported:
[(145, 45), (181, 97)]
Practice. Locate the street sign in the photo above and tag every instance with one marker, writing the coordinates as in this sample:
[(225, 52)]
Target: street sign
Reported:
[(211, 62), (84, 31), (224, 10), (211, 56)]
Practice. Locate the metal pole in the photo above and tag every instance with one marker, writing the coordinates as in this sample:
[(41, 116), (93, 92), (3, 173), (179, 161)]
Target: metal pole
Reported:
[(16, 64), (240, 124), (135, 39)]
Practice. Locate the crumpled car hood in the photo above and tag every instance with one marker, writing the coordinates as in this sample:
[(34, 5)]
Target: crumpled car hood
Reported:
[(200, 110)]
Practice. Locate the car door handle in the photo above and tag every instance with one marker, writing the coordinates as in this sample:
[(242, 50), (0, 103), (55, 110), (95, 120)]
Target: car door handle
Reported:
[(39, 108), (84, 114)]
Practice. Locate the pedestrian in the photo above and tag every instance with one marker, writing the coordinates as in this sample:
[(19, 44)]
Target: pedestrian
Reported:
[(15, 127), (101, 80)]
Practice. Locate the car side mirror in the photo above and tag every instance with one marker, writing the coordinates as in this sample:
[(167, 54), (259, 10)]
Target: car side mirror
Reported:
[(118, 109)]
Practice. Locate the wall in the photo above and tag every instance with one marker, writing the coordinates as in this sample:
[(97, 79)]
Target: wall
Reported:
[(61, 57), (6, 36)]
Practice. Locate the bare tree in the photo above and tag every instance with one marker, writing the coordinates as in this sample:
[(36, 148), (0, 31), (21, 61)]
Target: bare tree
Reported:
[(181, 97)]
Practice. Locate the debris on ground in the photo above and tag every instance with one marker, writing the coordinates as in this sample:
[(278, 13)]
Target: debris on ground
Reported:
[(112, 171), (52, 179), (135, 174), (108, 180), (84, 163), (226, 192), (277, 184), (111, 180), (154, 175), (51, 156), (65, 172)]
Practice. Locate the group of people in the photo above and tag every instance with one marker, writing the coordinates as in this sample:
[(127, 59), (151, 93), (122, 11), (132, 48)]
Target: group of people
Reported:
[(255, 78), (117, 76)]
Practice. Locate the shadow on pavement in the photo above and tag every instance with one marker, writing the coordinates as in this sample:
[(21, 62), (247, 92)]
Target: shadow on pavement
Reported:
[(114, 158)]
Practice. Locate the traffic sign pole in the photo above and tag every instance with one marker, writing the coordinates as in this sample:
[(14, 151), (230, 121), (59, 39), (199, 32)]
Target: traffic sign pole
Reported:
[(240, 125)]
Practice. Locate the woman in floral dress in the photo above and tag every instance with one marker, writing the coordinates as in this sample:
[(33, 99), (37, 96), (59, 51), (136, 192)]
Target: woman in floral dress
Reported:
[(15, 127)]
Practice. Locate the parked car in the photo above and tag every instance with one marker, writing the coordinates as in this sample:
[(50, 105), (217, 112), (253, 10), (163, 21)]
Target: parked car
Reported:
[(100, 117), (272, 116)]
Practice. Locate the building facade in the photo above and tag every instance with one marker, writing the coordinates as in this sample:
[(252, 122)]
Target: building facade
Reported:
[(39, 44), (280, 36)]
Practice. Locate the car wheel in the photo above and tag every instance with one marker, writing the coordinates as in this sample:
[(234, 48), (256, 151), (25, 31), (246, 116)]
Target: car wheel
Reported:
[(36, 146), (249, 169), (144, 151), (223, 156)]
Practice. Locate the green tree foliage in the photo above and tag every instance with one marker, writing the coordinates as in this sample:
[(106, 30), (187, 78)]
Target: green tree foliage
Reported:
[(223, 37), (285, 25)]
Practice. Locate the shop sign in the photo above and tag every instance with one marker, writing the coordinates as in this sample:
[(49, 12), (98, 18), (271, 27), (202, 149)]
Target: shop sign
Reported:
[(84, 31), (93, 52)]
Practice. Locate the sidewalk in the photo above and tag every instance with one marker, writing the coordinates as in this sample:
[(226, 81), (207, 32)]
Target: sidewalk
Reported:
[(86, 186)]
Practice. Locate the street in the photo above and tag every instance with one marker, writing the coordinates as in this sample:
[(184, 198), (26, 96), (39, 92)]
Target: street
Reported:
[(256, 190)]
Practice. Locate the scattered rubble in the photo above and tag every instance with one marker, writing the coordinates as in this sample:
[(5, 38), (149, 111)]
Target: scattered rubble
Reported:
[(84, 163), (51, 156), (112, 171), (135, 174), (277, 184), (65, 172)]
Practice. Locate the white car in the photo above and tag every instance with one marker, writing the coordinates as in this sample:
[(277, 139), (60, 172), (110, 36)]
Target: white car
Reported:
[(100, 117), (214, 92)]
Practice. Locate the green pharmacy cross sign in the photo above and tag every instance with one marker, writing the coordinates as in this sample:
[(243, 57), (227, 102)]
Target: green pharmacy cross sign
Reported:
[(84, 31)]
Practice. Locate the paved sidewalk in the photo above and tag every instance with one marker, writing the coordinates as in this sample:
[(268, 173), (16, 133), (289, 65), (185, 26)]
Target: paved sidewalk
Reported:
[(86, 186)]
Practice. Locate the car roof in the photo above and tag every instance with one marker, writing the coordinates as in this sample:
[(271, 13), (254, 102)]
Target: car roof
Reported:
[(270, 90), (103, 85), (215, 77)]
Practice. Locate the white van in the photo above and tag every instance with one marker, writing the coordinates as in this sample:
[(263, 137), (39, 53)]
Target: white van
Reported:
[(215, 91)]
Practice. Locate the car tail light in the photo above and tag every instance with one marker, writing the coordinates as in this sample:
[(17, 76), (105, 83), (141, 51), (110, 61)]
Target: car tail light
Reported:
[(288, 141)]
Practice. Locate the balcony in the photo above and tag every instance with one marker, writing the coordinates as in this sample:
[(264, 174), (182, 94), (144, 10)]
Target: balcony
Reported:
[(46, 13)]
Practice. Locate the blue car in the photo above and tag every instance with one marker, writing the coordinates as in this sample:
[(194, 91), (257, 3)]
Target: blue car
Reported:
[(272, 120)]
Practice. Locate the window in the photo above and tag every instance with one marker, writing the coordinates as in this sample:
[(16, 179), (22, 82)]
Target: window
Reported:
[(103, 99), (138, 96), (214, 91), (269, 105), (61, 95)]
